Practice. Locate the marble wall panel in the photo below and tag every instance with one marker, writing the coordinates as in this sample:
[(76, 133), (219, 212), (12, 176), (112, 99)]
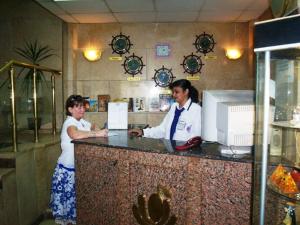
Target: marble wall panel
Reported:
[(194, 181), (97, 118), (137, 118), (226, 192), (132, 89), (26, 187), (154, 119), (92, 88), (8, 198), (97, 205), (144, 180)]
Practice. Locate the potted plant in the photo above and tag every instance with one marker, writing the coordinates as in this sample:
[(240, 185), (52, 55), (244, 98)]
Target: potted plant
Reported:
[(35, 53)]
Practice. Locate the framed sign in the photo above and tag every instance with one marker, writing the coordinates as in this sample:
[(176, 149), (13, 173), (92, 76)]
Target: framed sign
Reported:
[(162, 50)]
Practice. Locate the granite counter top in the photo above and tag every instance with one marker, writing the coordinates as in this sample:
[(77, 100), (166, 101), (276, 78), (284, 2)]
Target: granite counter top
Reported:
[(163, 146)]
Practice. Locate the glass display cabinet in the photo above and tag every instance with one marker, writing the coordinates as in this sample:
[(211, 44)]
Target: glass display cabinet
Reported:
[(276, 186)]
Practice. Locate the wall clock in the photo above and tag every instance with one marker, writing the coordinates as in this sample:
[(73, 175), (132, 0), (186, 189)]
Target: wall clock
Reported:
[(204, 43), (120, 44), (133, 65), (163, 77), (192, 64)]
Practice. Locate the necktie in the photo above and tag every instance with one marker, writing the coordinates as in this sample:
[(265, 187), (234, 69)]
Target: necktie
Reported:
[(175, 121)]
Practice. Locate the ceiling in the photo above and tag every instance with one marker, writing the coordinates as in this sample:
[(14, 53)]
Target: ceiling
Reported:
[(139, 11)]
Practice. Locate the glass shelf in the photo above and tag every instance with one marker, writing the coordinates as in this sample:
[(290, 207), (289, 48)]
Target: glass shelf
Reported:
[(295, 197), (286, 124)]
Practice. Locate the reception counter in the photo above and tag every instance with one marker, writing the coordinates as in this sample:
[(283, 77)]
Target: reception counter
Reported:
[(200, 186)]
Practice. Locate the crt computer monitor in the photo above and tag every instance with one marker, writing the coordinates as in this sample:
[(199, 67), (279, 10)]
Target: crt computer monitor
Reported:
[(210, 100)]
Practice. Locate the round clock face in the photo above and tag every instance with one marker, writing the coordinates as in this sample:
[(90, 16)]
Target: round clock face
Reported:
[(133, 65), (163, 77), (204, 43), (192, 64), (120, 44)]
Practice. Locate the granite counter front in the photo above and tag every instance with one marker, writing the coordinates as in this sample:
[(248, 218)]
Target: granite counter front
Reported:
[(204, 186)]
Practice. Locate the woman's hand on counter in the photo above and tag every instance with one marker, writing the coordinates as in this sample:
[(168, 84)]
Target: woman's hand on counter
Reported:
[(100, 133), (74, 133), (95, 127), (136, 132)]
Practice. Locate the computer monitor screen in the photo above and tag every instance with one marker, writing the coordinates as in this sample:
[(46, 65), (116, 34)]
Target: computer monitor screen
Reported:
[(209, 108)]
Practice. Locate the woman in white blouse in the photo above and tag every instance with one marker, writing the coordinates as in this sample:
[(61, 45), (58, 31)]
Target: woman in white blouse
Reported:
[(63, 200)]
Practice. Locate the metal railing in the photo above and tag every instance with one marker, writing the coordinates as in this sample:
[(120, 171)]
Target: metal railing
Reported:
[(10, 66)]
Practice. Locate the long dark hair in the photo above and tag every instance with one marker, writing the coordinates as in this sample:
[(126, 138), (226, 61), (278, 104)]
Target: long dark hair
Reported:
[(185, 84), (73, 100)]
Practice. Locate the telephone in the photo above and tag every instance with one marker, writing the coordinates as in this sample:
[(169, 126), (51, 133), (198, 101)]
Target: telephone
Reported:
[(195, 141), (134, 134)]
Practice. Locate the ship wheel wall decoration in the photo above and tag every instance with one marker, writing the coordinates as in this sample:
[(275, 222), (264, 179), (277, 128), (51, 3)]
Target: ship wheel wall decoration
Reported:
[(120, 44), (163, 77), (133, 65), (192, 64), (204, 43)]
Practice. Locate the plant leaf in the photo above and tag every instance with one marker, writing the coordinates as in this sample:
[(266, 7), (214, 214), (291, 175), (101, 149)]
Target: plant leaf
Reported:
[(35, 53), (24, 53)]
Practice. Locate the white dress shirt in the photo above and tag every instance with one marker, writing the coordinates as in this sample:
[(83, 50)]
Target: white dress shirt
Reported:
[(188, 126)]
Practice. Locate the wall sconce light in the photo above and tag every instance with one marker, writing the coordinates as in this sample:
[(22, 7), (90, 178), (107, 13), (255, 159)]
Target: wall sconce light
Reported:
[(92, 54), (233, 53)]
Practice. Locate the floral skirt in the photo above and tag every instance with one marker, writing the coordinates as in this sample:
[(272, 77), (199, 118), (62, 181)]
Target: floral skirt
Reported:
[(63, 199)]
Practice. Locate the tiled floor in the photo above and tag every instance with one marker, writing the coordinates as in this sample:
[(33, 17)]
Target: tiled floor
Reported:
[(48, 222), (48, 218)]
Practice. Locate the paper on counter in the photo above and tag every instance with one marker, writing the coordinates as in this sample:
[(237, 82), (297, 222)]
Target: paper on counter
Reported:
[(117, 115), (111, 133)]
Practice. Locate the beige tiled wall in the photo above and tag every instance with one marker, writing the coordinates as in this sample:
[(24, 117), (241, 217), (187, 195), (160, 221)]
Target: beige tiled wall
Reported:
[(107, 77), (151, 118)]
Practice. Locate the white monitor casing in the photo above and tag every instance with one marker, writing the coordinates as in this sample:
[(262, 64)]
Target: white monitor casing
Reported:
[(209, 108), (235, 123)]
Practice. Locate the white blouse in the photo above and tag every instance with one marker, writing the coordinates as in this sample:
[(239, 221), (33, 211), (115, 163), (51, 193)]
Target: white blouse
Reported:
[(67, 156), (188, 126)]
